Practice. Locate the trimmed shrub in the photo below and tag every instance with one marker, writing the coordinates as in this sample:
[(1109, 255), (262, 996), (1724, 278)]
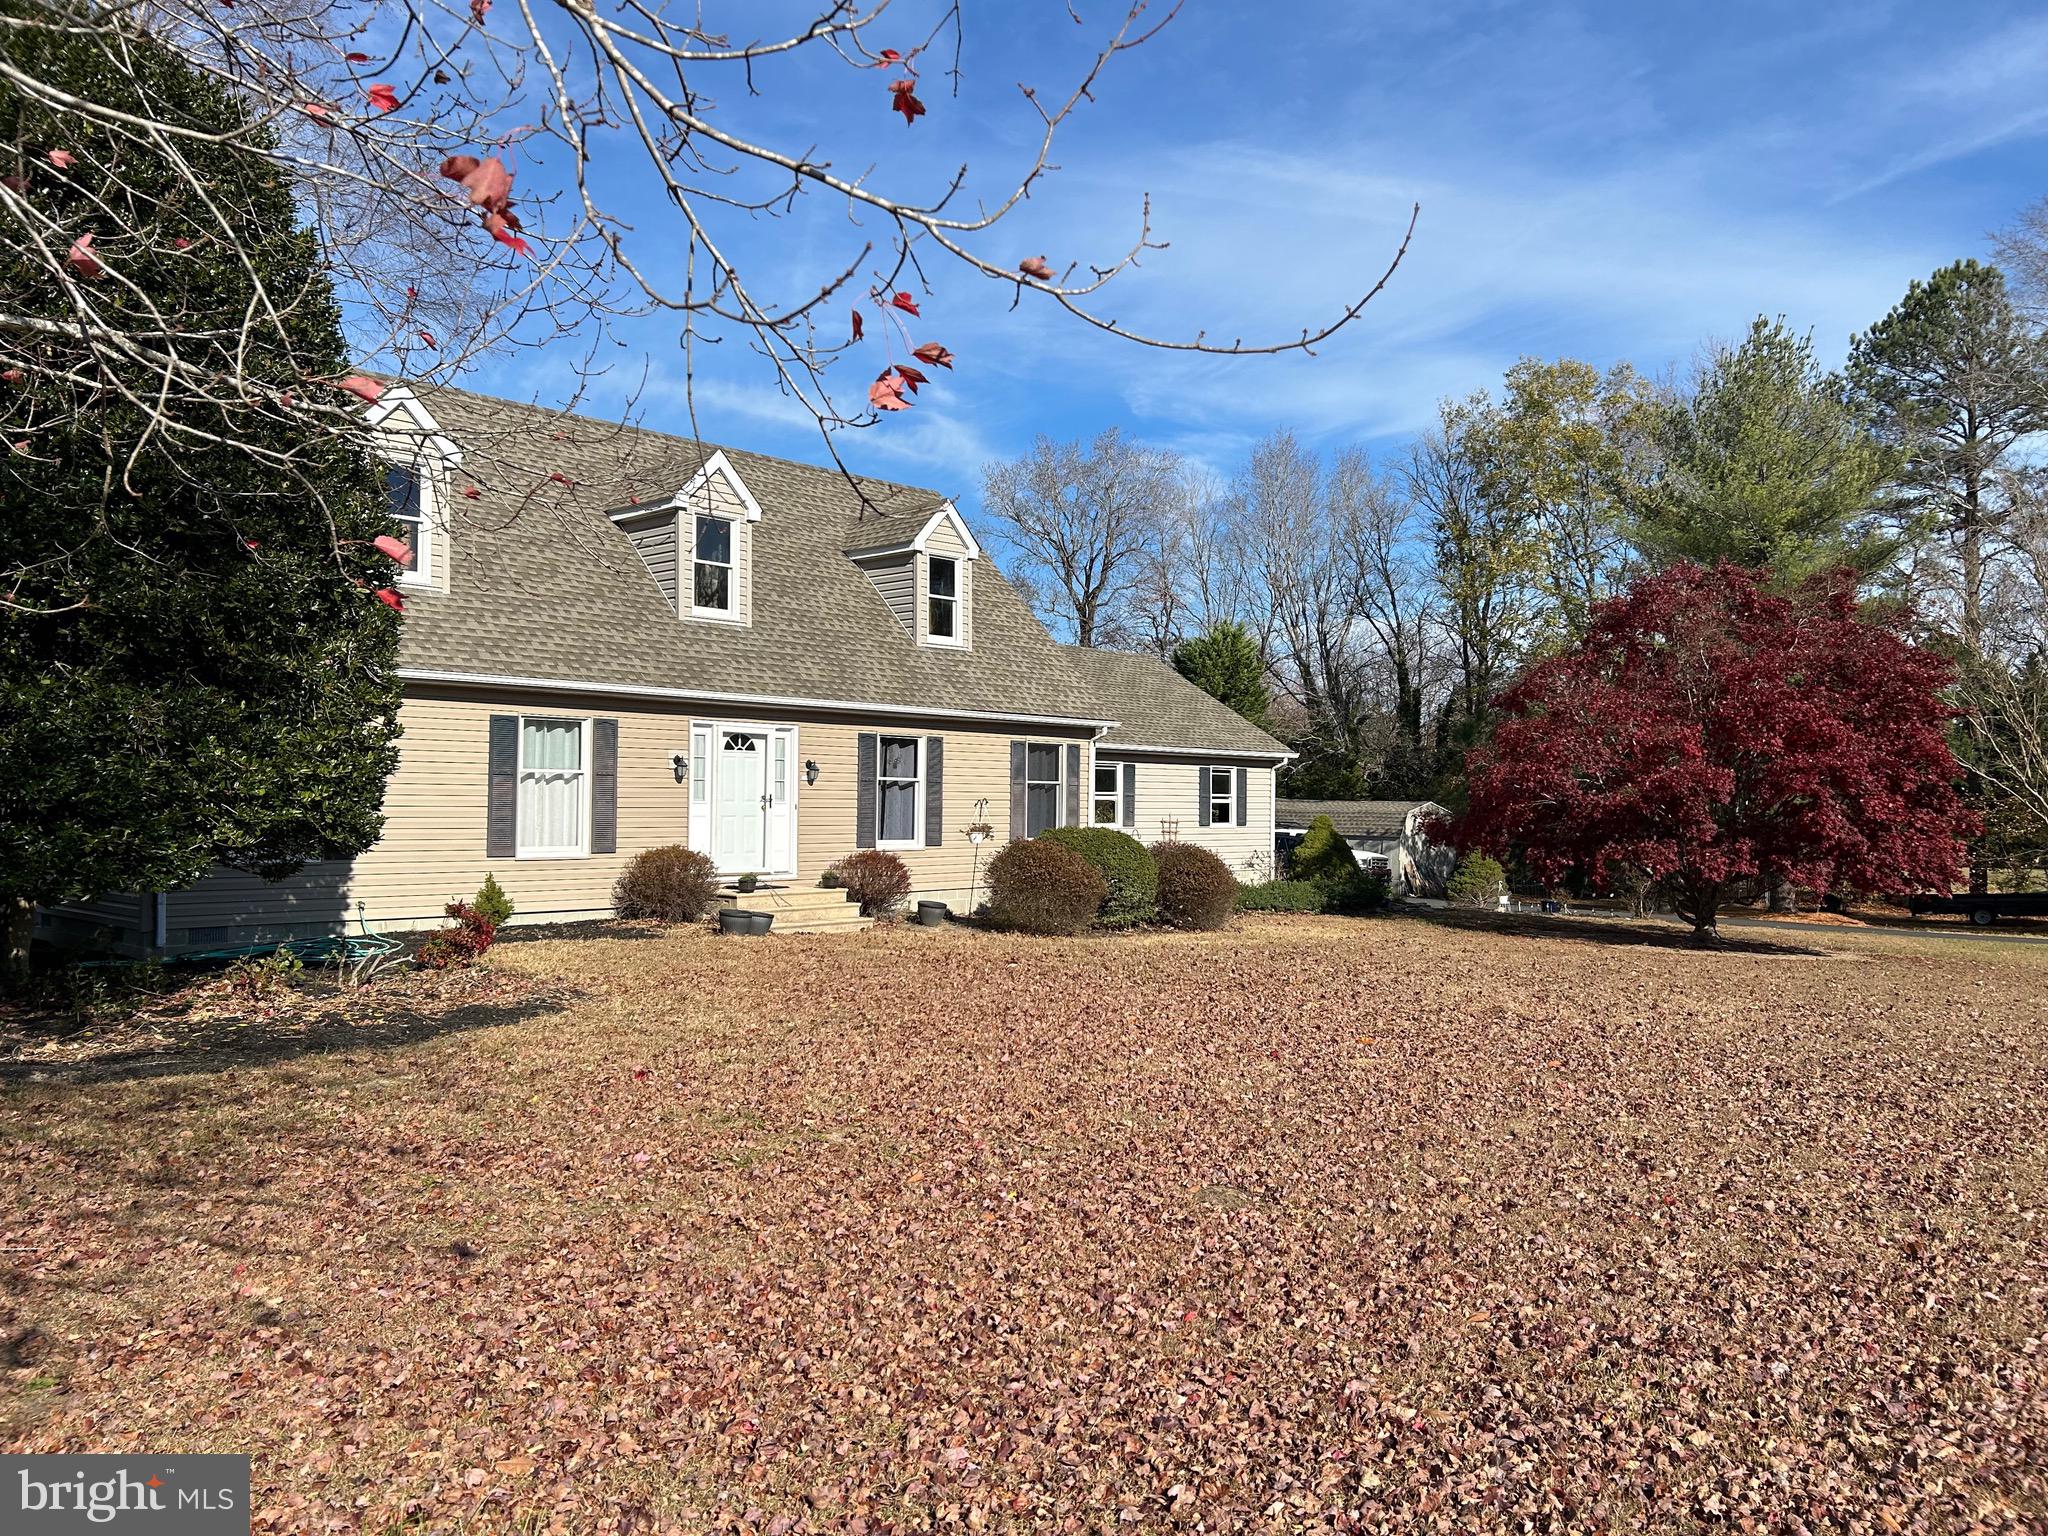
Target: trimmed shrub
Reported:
[(877, 880), (1281, 896), (1036, 886), (1476, 882), (672, 885), (461, 945), (1196, 889), (1323, 857), (1364, 891), (490, 899), (1129, 873)]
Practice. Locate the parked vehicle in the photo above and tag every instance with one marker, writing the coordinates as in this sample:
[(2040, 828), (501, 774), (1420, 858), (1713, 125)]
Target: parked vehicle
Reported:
[(1986, 909)]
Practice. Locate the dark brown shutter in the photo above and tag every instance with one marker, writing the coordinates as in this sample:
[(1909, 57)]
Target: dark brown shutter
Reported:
[(934, 791), (1202, 794), (501, 817), (1131, 795), (1020, 813), (1073, 784), (864, 792), (604, 786), (1243, 795)]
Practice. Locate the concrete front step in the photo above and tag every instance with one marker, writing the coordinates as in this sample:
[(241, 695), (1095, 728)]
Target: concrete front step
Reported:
[(806, 909)]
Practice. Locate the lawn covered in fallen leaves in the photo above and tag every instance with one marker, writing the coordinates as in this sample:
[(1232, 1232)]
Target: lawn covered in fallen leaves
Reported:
[(1318, 1224)]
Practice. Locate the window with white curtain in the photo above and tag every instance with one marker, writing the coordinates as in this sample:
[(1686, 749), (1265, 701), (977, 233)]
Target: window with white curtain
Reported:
[(1041, 788), (553, 788), (899, 785)]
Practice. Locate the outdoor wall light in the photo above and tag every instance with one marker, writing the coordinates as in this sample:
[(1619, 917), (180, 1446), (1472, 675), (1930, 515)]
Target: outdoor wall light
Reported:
[(810, 770), (681, 764)]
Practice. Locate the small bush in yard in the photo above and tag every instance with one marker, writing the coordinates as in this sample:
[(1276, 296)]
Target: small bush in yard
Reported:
[(1476, 882), (461, 945), (672, 884), (491, 900), (1040, 887), (1323, 857), (1364, 891), (1281, 896), (1196, 889), (1129, 872), (877, 880)]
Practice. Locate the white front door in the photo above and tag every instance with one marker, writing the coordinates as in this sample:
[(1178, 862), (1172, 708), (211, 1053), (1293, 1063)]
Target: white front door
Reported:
[(739, 822)]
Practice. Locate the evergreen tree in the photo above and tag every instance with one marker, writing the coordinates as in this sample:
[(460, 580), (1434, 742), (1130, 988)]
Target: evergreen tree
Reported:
[(194, 666), (1225, 663)]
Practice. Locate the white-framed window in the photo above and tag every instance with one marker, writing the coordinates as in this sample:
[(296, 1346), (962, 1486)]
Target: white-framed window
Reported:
[(406, 496), (1222, 797), (700, 769), (942, 600), (554, 788), (899, 792), (1041, 787), (1109, 794), (711, 573)]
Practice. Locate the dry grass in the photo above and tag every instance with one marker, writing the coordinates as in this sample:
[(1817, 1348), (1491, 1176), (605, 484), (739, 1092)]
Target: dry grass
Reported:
[(1312, 1225)]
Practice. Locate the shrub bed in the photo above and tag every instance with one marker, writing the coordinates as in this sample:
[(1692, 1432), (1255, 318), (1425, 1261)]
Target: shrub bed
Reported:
[(672, 885), (1130, 876), (1281, 896), (1036, 886), (877, 880), (1196, 889)]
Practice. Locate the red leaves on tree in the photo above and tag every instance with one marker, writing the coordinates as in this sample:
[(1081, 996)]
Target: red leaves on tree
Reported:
[(61, 158), (1036, 266), (931, 352), (383, 98), (887, 57), (11, 376), (911, 376), (886, 393), (478, 9), (858, 326), (489, 186), (471, 492), (357, 58), (903, 98), (390, 599), (368, 390), (396, 548), (82, 259), (1708, 732), (428, 338), (317, 110), (501, 227), (904, 301)]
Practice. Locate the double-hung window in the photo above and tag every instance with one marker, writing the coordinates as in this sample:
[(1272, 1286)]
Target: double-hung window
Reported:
[(942, 600), (1041, 787), (711, 589), (408, 510), (1109, 784), (1222, 797), (554, 788), (899, 797)]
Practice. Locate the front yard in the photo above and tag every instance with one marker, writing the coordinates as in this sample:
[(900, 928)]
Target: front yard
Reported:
[(1313, 1225)]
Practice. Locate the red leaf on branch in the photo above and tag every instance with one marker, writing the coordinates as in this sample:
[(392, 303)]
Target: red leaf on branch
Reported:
[(368, 390), (931, 352), (455, 167), (478, 9), (82, 260), (905, 302), (471, 492), (501, 227), (912, 376), (488, 183), (397, 549), (428, 338), (886, 393), (886, 57), (181, 242), (317, 110), (559, 478), (391, 599), (1036, 266), (903, 99), (858, 326), (61, 158), (383, 98), (11, 376), (358, 58)]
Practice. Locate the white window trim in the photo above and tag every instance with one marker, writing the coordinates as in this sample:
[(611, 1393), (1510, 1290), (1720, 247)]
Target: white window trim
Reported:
[(958, 639), (422, 572), (582, 849), (916, 838), (1228, 800), (1096, 796), (699, 828), (730, 613), (1058, 782)]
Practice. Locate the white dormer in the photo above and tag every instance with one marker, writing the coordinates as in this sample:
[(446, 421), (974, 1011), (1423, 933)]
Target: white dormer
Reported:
[(699, 543), (927, 579), (419, 464)]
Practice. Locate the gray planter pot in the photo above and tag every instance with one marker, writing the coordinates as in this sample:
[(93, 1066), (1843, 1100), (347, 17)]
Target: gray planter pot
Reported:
[(760, 922), (735, 920), (930, 914)]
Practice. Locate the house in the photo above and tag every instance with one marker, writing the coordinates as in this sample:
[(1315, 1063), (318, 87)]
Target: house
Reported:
[(1389, 833), (628, 639)]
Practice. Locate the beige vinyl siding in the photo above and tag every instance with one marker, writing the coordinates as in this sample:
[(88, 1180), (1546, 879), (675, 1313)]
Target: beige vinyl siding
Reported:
[(895, 578), (123, 921), (432, 850), (654, 536), (1168, 805), (945, 540)]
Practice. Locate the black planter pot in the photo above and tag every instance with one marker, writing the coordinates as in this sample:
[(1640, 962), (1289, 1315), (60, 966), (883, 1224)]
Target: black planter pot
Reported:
[(930, 914), (760, 922), (735, 920)]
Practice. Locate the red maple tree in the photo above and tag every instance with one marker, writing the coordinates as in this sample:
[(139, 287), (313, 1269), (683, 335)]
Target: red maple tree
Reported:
[(1709, 734)]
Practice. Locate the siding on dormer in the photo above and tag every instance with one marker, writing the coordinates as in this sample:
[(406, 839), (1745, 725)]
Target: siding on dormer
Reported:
[(895, 577), (654, 537)]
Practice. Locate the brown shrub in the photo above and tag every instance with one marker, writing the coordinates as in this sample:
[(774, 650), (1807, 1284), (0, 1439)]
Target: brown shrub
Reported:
[(877, 880), (672, 884), (1037, 886), (1196, 889)]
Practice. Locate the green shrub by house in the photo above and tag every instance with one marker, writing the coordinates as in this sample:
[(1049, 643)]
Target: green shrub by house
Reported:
[(673, 885), (1476, 882), (1129, 874), (1037, 886), (1281, 896), (1196, 889), (1323, 857), (492, 902)]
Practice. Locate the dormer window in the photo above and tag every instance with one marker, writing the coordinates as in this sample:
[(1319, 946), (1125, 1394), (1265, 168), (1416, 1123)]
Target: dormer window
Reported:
[(711, 590), (943, 600), (408, 512)]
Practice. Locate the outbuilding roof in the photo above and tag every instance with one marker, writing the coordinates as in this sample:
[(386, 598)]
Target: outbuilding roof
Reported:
[(1353, 818)]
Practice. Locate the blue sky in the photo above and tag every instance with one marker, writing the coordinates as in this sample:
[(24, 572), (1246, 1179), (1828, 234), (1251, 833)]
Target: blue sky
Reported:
[(1598, 181)]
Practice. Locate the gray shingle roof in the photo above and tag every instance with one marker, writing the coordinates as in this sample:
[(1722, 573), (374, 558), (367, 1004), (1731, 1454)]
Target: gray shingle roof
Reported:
[(1157, 707), (542, 584), (1352, 818)]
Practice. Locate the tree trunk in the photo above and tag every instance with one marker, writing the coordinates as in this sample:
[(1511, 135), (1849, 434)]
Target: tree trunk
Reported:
[(21, 927), (1783, 895), (1699, 905)]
